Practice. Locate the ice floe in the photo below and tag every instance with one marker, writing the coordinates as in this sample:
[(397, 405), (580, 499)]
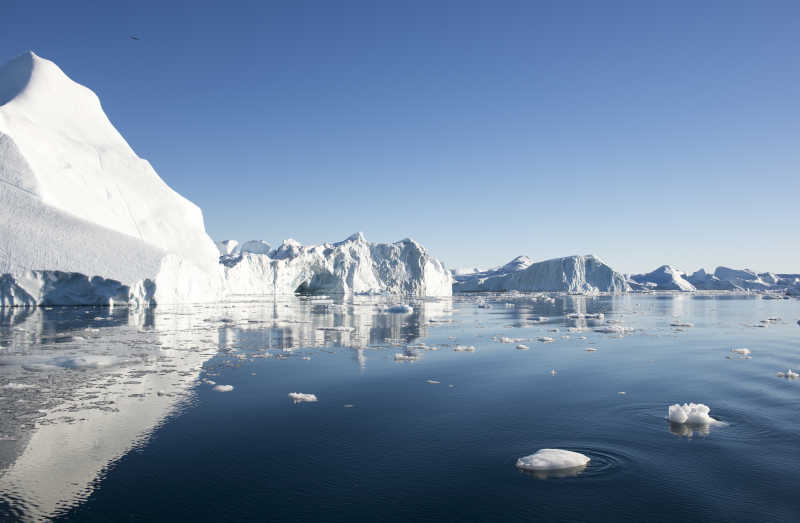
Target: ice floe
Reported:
[(690, 414), (302, 397), (552, 459), (222, 388)]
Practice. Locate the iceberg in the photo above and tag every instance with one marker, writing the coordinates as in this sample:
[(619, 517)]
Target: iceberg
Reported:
[(690, 414), (83, 219), (352, 266), (575, 274), (665, 278), (552, 459)]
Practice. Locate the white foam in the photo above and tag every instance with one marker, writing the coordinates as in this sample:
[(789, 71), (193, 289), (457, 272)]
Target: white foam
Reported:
[(552, 459)]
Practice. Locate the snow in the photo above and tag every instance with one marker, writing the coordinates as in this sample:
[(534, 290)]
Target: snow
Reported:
[(690, 414), (576, 274), (76, 199), (222, 388), (665, 278), (228, 247), (552, 459), (352, 266), (302, 397)]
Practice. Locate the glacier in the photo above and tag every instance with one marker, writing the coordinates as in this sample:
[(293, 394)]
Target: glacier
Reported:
[(351, 266), (83, 219), (665, 278), (577, 274)]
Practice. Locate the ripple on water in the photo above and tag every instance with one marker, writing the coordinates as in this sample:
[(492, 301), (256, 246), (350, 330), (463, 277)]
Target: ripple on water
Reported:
[(603, 463)]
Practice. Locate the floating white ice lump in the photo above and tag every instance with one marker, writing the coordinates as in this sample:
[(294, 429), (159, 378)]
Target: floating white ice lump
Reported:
[(552, 459), (788, 374), (522, 347), (302, 397), (401, 309), (690, 414), (743, 352), (465, 348), (399, 356), (544, 339), (223, 388), (681, 324)]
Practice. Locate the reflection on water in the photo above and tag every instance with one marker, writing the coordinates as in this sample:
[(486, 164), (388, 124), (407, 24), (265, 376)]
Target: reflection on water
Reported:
[(82, 387), (555, 474)]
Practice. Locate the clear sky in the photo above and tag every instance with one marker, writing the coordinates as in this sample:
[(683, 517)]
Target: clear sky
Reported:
[(643, 133)]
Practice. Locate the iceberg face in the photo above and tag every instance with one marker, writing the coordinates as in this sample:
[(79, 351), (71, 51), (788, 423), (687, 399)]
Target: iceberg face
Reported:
[(75, 198), (745, 279), (708, 282), (352, 266), (228, 247), (255, 247), (579, 274), (665, 278)]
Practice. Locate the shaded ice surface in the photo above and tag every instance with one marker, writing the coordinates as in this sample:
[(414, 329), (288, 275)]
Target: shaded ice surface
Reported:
[(552, 459), (82, 388)]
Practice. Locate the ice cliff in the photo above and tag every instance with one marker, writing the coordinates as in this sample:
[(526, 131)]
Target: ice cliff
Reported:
[(665, 278), (83, 219), (350, 266), (580, 274)]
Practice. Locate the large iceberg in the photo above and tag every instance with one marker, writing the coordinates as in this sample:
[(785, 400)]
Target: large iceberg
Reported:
[(352, 266), (83, 219), (665, 278), (579, 274)]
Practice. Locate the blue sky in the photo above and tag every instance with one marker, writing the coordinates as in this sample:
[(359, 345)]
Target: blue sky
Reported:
[(645, 134)]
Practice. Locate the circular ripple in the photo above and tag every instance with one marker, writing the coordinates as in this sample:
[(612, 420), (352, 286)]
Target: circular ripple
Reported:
[(602, 463)]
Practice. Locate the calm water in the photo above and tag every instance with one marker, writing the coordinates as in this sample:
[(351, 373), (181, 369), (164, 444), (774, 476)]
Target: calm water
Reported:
[(111, 416)]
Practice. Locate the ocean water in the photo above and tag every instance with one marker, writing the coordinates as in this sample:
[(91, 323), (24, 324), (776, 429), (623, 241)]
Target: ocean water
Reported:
[(113, 416)]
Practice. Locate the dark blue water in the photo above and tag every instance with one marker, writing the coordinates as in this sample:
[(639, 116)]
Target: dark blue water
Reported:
[(403, 449)]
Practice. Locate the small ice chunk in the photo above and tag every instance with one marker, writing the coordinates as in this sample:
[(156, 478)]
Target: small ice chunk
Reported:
[(223, 388), (302, 397), (401, 308), (464, 348), (433, 382), (17, 386), (591, 349), (742, 352), (522, 347), (552, 459), (544, 339), (405, 357), (553, 372), (790, 374), (690, 414), (681, 324)]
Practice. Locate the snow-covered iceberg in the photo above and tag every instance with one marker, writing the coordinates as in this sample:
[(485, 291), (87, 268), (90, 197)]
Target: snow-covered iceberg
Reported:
[(665, 278), (579, 274), (83, 219), (352, 266)]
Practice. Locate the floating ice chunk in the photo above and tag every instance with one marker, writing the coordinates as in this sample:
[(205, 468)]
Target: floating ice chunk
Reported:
[(681, 324), (401, 308), (553, 372), (433, 382), (544, 339), (621, 393), (464, 348), (789, 374), (595, 316), (613, 329), (405, 357), (17, 386), (302, 397), (742, 352), (222, 388), (591, 349), (690, 414), (552, 459), (522, 347)]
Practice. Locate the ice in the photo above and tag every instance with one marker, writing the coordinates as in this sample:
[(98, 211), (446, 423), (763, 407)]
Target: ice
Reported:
[(18, 386), (352, 266), (522, 347), (401, 309), (544, 339), (578, 274), (222, 388), (664, 278), (742, 352), (788, 374), (399, 356), (690, 414), (83, 220), (681, 324), (464, 348), (552, 459), (302, 397)]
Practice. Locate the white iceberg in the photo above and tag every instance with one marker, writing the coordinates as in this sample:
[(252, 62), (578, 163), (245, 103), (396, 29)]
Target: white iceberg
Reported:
[(302, 397), (83, 219), (690, 414), (577, 274), (552, 459), (664, 278), (222, 388), (352, 266)]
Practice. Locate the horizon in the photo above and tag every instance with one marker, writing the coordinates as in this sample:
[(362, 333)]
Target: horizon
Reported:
[(631, 102)]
